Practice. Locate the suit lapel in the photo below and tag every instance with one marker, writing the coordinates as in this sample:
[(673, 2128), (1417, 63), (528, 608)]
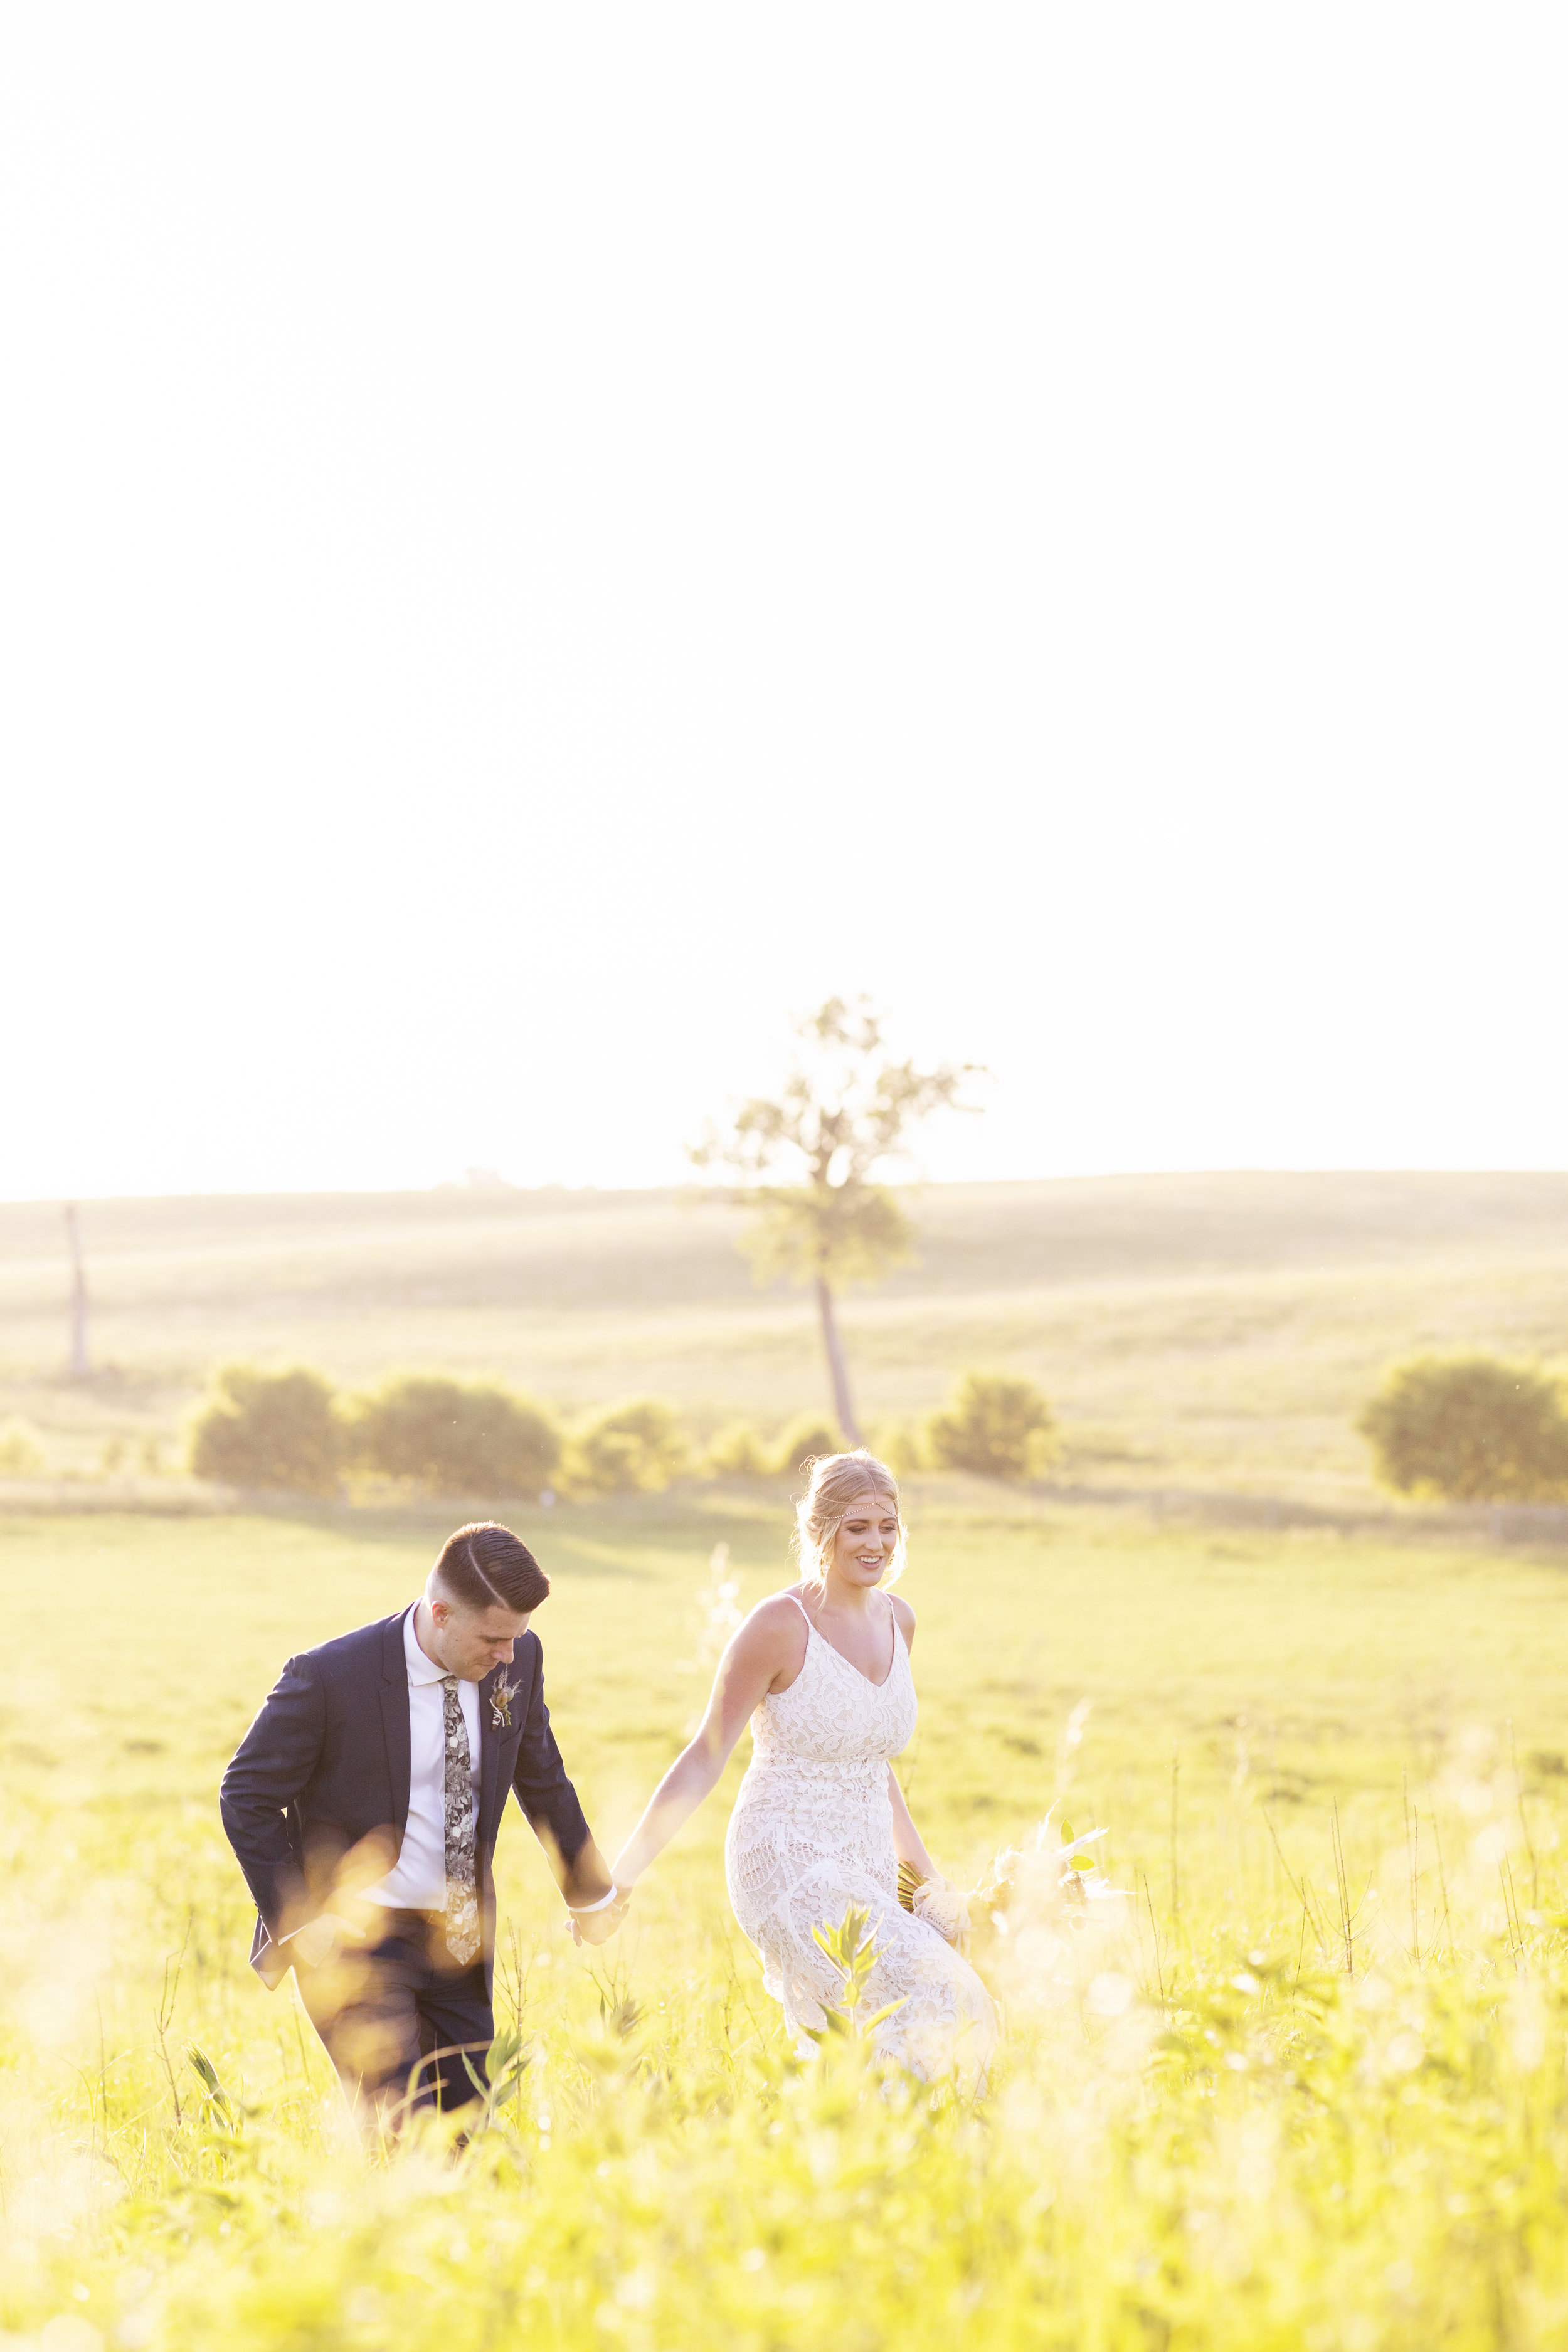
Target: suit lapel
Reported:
[(395, 1720), (489, 1757)]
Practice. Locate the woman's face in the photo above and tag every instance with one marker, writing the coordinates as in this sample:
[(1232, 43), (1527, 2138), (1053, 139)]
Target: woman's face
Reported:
[(867, 1539)]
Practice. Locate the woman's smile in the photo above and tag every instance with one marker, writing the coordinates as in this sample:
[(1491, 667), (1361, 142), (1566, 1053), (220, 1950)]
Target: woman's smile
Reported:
[(867, 1539)]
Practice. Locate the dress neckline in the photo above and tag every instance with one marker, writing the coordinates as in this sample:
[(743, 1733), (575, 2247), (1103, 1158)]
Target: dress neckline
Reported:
[(838, 1654)]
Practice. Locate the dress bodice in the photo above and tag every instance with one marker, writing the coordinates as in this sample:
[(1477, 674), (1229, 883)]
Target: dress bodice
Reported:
[(832, 1715)]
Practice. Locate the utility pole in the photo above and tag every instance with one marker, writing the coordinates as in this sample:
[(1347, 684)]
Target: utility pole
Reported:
[(79, 1367)]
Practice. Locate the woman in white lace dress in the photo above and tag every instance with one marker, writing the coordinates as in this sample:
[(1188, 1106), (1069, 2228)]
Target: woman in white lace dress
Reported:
[(823, 1671)]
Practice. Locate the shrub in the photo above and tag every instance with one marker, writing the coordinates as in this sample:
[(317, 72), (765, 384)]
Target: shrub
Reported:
[(737, 1451), (633, 1448), (455, 1437), (994, 1426), (808, 1436), (899, 1444), (269, 1428), (1471, 1429), (21, 1456)]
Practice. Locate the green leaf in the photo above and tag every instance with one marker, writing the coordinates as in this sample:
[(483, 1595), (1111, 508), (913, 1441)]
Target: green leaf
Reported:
[(503, 2052), (202, 2065), (1066, 1834), (1081, 1860), (206, 2074)]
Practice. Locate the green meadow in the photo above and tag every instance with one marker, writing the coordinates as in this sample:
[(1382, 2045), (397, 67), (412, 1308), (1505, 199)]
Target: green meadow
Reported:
[(1308, 2088)]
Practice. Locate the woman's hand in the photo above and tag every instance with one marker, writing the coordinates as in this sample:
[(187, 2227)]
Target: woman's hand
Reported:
[(945, 1908)]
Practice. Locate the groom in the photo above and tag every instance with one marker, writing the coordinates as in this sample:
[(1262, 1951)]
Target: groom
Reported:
[(364, 1804)]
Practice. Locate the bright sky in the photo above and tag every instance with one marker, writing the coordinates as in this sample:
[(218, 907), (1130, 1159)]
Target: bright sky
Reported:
[(538, 540)]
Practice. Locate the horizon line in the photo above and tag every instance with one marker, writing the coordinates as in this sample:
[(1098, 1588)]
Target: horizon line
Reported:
[(495, 1187)]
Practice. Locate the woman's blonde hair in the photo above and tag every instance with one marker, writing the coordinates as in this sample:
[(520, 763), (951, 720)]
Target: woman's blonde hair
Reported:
[(835, 1480)]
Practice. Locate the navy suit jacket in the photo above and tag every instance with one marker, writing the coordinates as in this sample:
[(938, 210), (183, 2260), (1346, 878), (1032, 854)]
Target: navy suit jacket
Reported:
[(317, 1794)]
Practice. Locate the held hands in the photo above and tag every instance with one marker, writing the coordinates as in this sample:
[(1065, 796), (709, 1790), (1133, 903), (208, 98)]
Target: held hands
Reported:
[(598, 1926)]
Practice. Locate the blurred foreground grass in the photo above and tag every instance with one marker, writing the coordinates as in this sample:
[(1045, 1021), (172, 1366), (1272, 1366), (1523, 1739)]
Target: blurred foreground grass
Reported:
[(1233, 2122)]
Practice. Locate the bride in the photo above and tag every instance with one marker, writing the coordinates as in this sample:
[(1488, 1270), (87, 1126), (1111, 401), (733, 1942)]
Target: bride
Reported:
[(823, 1670)]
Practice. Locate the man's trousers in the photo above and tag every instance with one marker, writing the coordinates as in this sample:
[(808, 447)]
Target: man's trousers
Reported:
[(399, 2015)]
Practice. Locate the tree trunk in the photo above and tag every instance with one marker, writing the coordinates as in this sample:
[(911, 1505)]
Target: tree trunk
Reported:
[(79, 1367), (836, 1373)]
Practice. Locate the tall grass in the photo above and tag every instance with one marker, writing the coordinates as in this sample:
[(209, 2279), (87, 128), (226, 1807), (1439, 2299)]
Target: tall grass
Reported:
[(1273, 2125), (1307, 2090)]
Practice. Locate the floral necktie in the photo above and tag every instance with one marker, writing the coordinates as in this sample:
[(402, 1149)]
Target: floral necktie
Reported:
[(462, 1912)]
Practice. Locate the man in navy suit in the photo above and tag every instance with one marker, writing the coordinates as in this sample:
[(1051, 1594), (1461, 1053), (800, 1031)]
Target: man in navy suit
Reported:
[(364, 1804)]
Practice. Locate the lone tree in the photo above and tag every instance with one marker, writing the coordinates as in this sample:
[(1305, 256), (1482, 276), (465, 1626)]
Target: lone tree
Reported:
[(846, 1108)]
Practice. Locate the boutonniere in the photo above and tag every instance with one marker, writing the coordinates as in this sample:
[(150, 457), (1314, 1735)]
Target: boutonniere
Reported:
[(502, 1697)]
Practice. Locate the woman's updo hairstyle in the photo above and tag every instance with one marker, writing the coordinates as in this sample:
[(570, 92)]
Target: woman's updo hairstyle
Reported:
[(835, 1480)]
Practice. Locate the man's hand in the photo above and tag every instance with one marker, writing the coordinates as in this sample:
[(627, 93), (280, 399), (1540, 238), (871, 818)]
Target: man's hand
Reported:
[(598, 1926), (324, 1940)]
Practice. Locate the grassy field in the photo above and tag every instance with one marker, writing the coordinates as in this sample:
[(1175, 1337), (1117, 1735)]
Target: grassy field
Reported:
[(1235, 2121), (1200, 1332)]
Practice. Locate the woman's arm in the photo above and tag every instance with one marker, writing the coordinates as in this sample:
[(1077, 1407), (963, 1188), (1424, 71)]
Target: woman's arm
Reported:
[(906, 1837), (769, 1643)]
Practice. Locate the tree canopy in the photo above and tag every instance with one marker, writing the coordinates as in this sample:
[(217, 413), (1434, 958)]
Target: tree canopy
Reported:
[(1469, 1428), (846, 1108)]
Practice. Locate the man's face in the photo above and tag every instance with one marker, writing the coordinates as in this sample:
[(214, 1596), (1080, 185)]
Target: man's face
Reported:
[(469, 1641)]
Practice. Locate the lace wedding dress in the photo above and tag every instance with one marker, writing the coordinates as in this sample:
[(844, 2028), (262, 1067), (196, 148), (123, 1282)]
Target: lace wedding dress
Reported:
[(812, 1832)]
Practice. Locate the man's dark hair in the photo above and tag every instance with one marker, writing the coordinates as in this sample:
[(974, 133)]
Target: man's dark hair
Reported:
[(485, 1565)]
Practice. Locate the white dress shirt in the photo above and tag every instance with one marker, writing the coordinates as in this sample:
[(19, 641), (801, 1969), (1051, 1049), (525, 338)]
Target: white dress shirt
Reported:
[(418, 1880)]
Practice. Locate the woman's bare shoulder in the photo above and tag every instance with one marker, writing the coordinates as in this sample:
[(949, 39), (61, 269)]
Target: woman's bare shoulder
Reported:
[(771, 1643), (777, 1617), (903, 1616)]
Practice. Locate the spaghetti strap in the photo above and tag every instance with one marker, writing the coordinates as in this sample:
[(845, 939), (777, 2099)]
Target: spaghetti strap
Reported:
[(801, 1606)]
